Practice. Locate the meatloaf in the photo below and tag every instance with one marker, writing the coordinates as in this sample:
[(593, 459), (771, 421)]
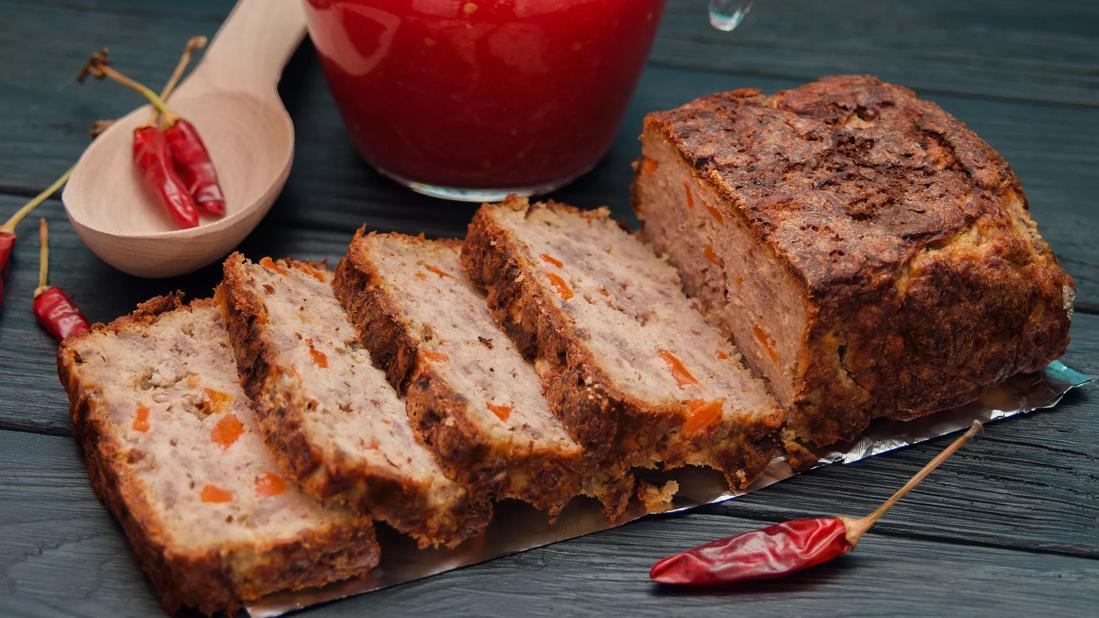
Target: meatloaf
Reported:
[(173, 450), (870, 255), (335, 423), (630, 366)]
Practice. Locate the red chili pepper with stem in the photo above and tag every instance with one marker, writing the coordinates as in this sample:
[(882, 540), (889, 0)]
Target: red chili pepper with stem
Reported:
[(193, 163), (7, 230), (55, 311), (190, 159), (786, 547)]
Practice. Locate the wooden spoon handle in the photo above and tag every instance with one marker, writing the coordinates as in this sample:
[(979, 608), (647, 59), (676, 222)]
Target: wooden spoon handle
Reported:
[(251, 48)]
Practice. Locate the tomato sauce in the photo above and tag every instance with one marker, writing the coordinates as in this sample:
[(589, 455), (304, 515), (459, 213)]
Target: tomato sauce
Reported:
[(481, 94)]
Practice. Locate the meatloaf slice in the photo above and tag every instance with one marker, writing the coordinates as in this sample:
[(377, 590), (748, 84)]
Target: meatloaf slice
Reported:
[(469, 392), (870, 255), (630, 367), (173, 450), (334, 421)]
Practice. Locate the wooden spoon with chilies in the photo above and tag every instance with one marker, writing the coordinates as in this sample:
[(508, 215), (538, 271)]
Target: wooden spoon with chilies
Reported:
[(232, 98)]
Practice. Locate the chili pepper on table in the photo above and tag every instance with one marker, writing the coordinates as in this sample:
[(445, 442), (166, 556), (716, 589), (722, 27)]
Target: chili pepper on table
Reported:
[(7, 230), (783, 548), (56, 312)]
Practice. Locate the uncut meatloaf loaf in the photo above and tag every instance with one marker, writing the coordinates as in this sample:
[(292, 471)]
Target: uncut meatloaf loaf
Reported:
[(335, 423), (470, 394), (870, 255), (630, 367), (173, 450)]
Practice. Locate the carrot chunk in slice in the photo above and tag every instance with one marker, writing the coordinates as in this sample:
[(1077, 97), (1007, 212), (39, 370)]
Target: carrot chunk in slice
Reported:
[(269, 484), (438, 357), (215, 494), (704, 415), (319, 358), (227, 430), (218, 401), (711, 257), (271, 265), (503, 412), (765, 342), (438, 271), (563, 289), (552, 260), (679, 371), (141, 421)]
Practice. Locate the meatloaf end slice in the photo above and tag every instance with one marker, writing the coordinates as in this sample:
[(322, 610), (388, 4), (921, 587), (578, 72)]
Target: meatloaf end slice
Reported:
[(870, 255), (334, 421), (469, 392), (631, 368), (173, 449)]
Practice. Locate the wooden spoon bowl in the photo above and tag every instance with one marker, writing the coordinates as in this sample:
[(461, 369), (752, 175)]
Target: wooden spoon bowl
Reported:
[(231, 97)]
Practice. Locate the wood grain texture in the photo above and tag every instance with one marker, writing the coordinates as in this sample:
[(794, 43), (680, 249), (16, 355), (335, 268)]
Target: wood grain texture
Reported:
[(1008, 49), (60, 553)]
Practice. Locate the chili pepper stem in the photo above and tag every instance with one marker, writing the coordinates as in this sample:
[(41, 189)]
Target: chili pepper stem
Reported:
[(9, 225), (856, 527), (193, 44), (98, 67), (43, 256)]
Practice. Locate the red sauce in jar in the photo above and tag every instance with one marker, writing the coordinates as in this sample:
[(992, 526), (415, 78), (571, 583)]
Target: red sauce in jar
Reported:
[(483, 93)]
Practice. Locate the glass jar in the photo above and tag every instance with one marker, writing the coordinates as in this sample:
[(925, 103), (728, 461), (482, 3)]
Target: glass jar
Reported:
[(475, 99)]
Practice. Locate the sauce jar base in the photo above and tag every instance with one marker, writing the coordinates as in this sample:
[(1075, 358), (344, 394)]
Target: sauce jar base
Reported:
[(479, 195)]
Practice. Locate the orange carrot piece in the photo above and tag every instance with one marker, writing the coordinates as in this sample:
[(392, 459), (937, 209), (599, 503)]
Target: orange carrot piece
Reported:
[(438, 271), (141, 421), (704, 415), (270, 264), (438, 357), (319, 358), (552, 260), (215, 494), (503, 412), (269, 484), (563, 289), (227, 430), (679, 372)]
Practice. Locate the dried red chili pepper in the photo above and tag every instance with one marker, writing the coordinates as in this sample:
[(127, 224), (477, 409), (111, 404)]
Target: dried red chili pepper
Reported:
[(193, 163), (190, 159), (195, 168), (56, 312), (783, 548), (153, 159), (7, 230)]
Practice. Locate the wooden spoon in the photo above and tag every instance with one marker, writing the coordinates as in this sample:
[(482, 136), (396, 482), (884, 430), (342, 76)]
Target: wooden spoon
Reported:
[(232, 98)]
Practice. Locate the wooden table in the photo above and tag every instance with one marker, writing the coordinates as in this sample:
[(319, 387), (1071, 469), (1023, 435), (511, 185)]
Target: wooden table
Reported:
[(1009, 526)]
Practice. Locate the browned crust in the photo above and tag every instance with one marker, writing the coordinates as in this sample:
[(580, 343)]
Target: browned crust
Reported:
[(908, 306), (547, 479), (619, 429), (281, 404), (209, 582)]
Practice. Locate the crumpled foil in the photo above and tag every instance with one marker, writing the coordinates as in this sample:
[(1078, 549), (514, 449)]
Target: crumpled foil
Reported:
[(517, 527)]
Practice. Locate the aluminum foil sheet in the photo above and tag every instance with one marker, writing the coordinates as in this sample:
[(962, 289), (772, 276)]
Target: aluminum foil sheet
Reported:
[(517, 527)]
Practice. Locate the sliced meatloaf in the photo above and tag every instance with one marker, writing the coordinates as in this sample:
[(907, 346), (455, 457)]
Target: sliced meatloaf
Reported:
[(469, 392), (630, 366), (334, 421), (173, 450), (870, 255)]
